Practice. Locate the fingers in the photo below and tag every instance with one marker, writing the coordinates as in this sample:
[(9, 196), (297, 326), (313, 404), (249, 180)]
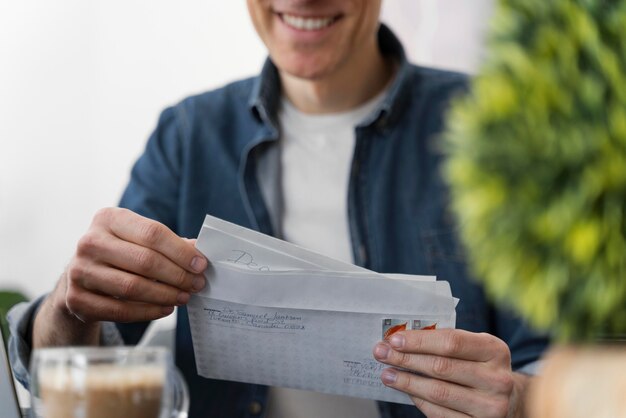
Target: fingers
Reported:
[(136, 259), (128, 286), (454, 399), (431, 410), (462, 372), (453, 343), (128, 268), (457, 370), (91, 307), (145, 232)]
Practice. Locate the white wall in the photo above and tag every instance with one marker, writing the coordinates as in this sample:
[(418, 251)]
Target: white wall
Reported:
[(441, 33), (82, 83)]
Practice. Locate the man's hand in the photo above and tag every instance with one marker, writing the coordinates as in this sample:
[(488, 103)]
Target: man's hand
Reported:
[(126, 268), (453, 373)]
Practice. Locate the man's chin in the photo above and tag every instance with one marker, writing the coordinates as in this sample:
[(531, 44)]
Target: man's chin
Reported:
[(312, 72)]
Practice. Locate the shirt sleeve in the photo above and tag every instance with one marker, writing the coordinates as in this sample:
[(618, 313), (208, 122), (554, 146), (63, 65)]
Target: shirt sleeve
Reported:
[(21, 318), (153, 190), (526, 344)]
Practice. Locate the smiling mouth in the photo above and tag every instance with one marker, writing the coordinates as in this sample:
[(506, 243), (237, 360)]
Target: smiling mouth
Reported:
[(307, 23)]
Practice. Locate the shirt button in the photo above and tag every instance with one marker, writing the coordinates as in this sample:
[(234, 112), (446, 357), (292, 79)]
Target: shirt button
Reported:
[(255, 408)]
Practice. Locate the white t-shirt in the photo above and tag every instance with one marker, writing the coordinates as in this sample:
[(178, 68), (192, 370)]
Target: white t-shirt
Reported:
[(316, 157)]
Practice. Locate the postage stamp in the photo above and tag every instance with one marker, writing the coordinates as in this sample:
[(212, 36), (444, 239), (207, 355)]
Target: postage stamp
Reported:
[(393, 325)]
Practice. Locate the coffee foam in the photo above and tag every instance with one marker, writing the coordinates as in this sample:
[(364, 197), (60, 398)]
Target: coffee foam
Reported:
[(101, 376)]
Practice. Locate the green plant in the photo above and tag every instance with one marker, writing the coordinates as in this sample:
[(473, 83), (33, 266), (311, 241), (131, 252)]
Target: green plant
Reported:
[(537, 165), (7, 300)]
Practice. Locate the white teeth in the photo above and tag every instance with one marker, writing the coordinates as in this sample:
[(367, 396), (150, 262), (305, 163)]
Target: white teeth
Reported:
[(303, 23)]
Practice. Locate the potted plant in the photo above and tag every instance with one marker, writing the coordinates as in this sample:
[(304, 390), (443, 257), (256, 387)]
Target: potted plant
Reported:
[(8, 298), (537, 170)]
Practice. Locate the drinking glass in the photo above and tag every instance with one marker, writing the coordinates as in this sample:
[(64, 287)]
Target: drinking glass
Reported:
[(107, 382)]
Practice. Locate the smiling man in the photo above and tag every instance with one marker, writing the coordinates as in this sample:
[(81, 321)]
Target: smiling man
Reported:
[(333, 147)]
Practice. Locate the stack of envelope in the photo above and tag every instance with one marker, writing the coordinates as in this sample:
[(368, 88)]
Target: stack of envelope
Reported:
[(277, 314)]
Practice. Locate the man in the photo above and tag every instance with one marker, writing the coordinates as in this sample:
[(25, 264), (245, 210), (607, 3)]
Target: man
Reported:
[(331, 147)]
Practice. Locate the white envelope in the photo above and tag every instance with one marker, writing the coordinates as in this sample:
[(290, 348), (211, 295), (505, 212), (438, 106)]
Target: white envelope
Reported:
[(280, 315)]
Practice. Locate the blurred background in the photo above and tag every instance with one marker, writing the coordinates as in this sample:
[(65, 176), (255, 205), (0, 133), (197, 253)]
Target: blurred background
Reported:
[(82, 84)]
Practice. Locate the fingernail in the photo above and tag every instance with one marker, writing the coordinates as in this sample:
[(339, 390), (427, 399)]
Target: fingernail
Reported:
[(381, 351), (198, 264), (389, 376), (183, 298), (167, 310), (198, 283), (397, 341)]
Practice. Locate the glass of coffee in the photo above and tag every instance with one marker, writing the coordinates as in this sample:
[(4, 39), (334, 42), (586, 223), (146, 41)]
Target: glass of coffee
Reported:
[(107, 382)]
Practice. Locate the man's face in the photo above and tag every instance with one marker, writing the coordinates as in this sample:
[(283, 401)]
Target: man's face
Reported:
[(312, 39)]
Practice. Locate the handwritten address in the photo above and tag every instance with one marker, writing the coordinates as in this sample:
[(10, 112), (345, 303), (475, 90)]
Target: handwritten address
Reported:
[(239, 317)]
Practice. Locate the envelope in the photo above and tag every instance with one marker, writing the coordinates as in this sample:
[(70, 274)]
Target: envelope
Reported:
[(276, 314)]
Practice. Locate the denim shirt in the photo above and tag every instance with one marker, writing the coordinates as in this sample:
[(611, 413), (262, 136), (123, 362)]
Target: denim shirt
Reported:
[(218, 153)]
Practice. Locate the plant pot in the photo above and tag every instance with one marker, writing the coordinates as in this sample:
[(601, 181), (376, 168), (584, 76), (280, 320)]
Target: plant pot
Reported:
[(585, 381)]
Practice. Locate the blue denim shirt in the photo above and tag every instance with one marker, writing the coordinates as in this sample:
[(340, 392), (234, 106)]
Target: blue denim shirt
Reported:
[(218, 153)]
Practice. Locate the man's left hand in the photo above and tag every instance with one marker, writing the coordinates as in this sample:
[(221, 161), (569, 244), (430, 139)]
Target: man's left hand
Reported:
[(453, 373)]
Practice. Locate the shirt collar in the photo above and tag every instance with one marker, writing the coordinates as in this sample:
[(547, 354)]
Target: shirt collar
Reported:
[(265, 96)]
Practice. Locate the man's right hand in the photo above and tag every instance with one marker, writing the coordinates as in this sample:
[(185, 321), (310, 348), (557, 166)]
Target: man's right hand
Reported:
[(127, 268)]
